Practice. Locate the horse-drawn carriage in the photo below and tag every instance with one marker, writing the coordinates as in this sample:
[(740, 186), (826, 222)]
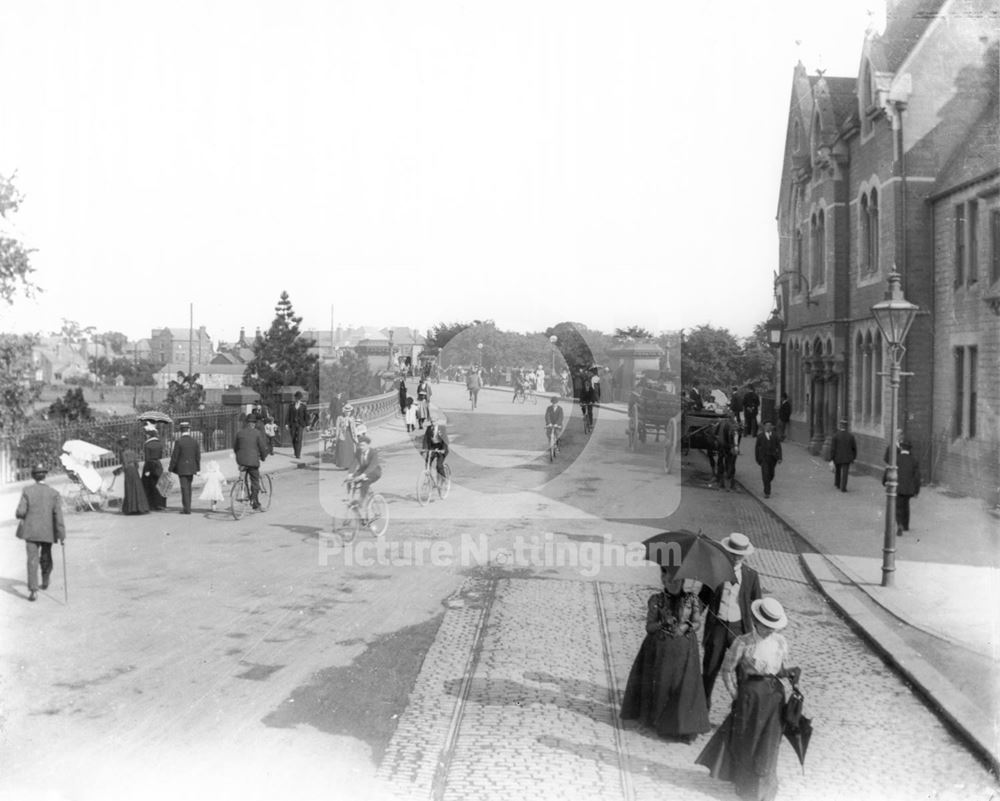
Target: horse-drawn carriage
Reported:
[(717, 433), (654, 411)]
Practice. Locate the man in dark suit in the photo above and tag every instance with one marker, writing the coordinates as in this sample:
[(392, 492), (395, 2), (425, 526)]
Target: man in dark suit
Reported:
[(751, 405), (185, 463), (40, 513), (908, 476), (843, 451), (368, 469), (298, 420), (554, 417), (728, 609), (251, 448), (768, 453)]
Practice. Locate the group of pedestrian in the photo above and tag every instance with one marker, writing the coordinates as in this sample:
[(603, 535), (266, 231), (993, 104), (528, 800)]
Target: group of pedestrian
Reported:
[(669, 689), (745, 402)]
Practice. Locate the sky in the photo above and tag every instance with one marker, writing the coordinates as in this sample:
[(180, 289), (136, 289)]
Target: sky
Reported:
[(404, 163)]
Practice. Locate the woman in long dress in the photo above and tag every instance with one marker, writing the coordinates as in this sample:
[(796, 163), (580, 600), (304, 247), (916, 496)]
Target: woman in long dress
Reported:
[(134, 501), (744, 749), (152, 468), (664, 689), (343, 455)]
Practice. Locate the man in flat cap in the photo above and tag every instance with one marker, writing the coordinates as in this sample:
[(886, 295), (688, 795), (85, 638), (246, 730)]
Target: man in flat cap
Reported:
[(185, 463), (41, 524)]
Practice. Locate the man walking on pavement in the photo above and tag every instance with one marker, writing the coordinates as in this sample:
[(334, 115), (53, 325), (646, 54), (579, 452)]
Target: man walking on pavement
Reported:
[(843, 451), (41, 524), (784, 416), (751, 405), (185, 463), (908, 476), (768, 453), (728, 610), (298, 419), (250, 447)]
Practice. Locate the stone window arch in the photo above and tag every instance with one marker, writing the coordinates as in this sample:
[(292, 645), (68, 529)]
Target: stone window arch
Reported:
[(858, 375)]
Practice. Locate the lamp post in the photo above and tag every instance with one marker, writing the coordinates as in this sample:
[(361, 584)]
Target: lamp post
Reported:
[(480, 346), (894, 315), (775, 329), (553, 339)]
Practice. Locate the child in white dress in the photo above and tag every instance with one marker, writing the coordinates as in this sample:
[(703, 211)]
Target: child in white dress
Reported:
[(215, 484), (410, 415)]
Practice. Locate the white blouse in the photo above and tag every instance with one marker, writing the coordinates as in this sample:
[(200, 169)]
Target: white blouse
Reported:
[(758, 656)]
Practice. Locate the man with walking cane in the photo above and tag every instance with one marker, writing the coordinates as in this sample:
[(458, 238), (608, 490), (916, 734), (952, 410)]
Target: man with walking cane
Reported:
[(41, 524)]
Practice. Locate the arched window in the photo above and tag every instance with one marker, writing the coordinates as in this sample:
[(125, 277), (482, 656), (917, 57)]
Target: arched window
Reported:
[(866, 401), (798, 254), (859, 376), (864, 241), (877, 388), (821, 249), (873, 250)]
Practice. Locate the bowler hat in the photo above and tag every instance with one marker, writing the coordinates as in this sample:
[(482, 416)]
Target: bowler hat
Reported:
[(39, 470)]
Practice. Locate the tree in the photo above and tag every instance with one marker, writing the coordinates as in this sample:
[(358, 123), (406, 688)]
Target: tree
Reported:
[(18, 390), (633, 332), (757, 361), (71, 407), (185, 393), (440, 335), (73, 333), (710, 358), (281, 357), (115, 340), (350, 376), (15, 261)]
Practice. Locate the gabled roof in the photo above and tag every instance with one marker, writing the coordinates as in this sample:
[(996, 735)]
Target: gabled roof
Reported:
[(906, 22), (404, 336)]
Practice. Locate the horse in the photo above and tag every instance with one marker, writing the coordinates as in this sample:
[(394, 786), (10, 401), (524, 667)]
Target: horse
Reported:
[(724, 446)]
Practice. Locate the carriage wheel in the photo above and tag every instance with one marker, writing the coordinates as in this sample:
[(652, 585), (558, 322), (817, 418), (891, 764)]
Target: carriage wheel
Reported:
[(670, 437)]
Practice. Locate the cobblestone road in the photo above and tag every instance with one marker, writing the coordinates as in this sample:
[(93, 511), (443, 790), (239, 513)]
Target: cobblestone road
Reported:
[(518, 698)]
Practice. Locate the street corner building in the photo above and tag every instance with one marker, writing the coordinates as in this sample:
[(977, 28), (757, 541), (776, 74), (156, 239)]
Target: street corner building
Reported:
[(895, 169)]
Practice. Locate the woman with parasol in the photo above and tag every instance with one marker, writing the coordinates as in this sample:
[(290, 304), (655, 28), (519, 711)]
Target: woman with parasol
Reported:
[(744, 749), (664, 689), (152, 467)]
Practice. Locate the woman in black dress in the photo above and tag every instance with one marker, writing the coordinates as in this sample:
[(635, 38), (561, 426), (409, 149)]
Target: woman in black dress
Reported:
[(664, 689), (152, 468), (134, 501), (744, 749)]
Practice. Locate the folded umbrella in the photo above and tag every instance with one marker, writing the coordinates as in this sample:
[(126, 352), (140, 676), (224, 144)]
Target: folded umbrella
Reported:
[(798, 728), (693, 556)]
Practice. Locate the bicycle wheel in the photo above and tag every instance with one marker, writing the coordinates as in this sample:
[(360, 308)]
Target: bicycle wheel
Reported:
[(265, 493), (378, 511), (444, 484), (239, 498), (424, 484)]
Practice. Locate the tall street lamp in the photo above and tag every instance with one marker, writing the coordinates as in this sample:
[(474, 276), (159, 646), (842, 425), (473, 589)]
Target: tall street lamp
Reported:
[(480, 346), (894, 315), (775, 329), (553, 339)]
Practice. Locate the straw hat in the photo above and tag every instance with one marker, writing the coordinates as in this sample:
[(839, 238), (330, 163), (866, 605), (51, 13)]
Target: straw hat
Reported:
[(738, 544), (769, 612)]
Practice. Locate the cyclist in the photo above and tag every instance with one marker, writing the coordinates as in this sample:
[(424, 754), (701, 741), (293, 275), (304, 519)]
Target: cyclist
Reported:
[(518, 387), (368, 469), (554, 417), (436, 443), (250, 447), (587, 400)]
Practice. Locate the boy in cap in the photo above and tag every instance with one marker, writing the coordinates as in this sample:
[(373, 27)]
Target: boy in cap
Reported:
[(40, 513)]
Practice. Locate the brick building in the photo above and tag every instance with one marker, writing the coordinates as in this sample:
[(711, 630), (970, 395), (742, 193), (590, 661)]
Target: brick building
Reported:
[(180, 345), (897, 168)]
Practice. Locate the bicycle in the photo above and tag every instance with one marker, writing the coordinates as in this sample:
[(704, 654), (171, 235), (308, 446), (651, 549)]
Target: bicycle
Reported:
[(519, 395), (375, 517), (430, 479), (239, 494), (588, 417), (553, 432)]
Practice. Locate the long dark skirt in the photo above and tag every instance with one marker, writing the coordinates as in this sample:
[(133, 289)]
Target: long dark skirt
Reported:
[(151, 472), (343, 454), (744, 749), (134, 501), (664, 689)]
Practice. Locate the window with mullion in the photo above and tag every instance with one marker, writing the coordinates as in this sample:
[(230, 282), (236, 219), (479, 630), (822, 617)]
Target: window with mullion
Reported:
[(972, 222), (959, 244)]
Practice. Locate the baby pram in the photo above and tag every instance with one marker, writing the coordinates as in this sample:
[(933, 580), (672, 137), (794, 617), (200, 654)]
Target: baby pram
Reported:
[(86, 489)]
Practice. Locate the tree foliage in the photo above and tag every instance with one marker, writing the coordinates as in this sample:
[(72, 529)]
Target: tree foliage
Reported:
[(135, 372), (18, 390), (15, 258), (281, 356), (633, 333), (710, 358), (71, 407), (185, 393), (350, 376), (757, 362)]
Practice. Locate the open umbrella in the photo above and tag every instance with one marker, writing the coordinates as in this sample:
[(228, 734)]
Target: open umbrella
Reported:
[(84, 451), (155, 417), (694, 555), (798, 728)]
